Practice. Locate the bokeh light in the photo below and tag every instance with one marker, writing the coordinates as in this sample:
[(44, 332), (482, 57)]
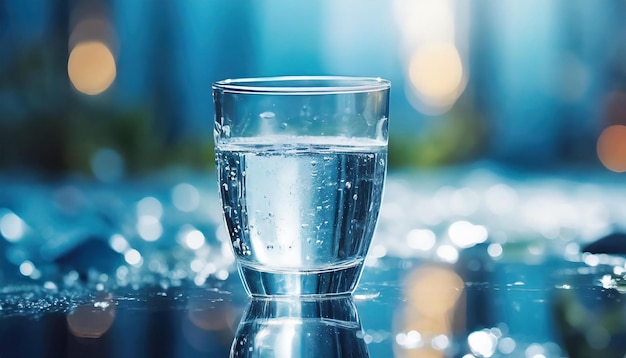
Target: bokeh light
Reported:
[(91, 67), (149, 228), (118, 243), (194, 239), (495, 250), (448, 253), (465, 234), (611, 148), (12, 227), (436, 73), (133, 257), (482, 343), (185, 197), (92, 320), (150, 206), (27, 268), (434, 291), (501, 199), (421, 239), (507, 345)]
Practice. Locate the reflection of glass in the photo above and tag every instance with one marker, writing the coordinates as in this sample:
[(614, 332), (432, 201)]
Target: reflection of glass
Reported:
[(301, 164), (326, 328)]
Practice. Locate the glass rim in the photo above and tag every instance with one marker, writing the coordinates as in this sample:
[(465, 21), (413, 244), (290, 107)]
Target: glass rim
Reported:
[(293, 85)]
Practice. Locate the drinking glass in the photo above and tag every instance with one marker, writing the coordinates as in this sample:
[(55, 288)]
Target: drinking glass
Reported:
[(301, 163), (328, 328)]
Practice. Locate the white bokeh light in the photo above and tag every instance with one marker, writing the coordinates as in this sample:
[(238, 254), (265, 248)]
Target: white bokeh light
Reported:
[(185, 197), (12, 227), (149, 228), (448, 253), (194, 239), (118, 243), (27, 268), (133, 257), (482, 343), (465, 234), (150, 206), (421, 239)]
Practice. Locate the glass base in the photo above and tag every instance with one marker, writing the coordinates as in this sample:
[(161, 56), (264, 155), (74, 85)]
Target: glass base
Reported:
[(335, 281)]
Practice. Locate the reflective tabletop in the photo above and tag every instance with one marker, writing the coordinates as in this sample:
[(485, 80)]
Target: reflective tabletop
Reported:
[(478, 265)]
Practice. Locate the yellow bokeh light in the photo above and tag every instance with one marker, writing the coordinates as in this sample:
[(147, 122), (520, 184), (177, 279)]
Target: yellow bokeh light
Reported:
[(434, 291), (91, 67), (611, 148), (436, 73), (434, 308)]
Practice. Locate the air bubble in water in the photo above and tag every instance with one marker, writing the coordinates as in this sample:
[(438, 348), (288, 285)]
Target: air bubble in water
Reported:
[(305, 111), (267, 115)]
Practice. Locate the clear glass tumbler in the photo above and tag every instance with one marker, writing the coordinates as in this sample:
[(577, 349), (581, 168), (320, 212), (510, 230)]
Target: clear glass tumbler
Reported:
[(301, 163)]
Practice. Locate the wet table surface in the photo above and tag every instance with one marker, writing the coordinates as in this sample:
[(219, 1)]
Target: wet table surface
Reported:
[(403, 307), (143, 270)]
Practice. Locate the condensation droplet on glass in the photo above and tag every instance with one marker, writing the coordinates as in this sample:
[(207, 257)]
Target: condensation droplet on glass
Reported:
[(319, 207), (355, 196), (225, 186), (283, 125), (348, 185)]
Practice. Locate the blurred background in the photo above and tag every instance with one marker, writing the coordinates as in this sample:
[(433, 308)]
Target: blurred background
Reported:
[(507, 140), (112, 88)]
